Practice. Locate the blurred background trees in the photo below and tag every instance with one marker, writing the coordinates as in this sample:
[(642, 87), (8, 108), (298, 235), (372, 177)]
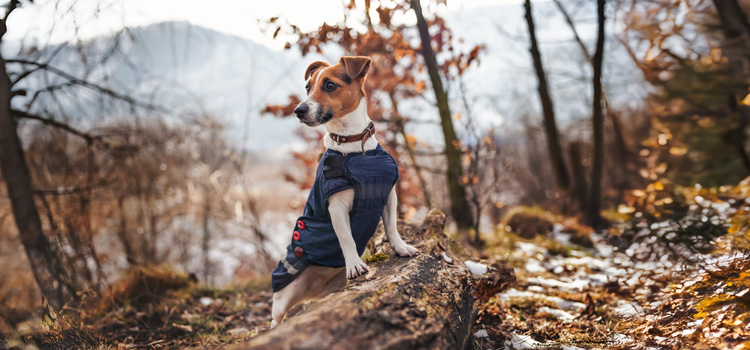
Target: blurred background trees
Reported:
[(155, 145)]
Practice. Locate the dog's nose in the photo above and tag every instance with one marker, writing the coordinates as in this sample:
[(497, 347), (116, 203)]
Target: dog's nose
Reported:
[(301, 110)]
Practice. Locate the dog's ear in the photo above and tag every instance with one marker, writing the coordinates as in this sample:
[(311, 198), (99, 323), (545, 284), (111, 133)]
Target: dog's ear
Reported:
[(356, 66), (313, 67)]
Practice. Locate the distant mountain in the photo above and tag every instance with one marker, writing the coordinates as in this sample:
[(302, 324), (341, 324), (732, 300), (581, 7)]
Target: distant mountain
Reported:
[(186, 68)]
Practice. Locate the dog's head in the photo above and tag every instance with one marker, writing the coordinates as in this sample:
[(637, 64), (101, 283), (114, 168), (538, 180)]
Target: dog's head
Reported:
[(332, 91)]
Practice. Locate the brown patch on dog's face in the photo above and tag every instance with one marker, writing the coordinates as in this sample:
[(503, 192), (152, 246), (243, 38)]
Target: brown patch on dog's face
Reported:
[(333, 91)]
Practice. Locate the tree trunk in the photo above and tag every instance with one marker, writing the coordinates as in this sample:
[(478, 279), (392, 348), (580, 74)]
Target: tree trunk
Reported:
[(460, 208), (206, 243), (45, 263), (580, 185), (736, 30), (623, 154), (594, 207), (550, 125), (423, 302)]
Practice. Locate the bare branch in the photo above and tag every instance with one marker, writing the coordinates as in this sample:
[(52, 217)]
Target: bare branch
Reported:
[(572, 26), (76, 81), (64, 191), (60, 125)]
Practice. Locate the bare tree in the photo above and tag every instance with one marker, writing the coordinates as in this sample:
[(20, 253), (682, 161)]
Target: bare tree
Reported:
[(460, 208), (44, 260), (736, 30), (622, 148), (550, 125), (593, 211)]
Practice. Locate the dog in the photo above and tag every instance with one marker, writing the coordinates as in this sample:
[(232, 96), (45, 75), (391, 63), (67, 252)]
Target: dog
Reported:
[(354, 188)]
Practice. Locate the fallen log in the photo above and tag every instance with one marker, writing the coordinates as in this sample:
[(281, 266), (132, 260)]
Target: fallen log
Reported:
[(423, 302)]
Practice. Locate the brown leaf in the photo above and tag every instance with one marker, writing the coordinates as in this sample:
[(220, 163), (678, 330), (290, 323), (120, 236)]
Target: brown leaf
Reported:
[(499, 277)]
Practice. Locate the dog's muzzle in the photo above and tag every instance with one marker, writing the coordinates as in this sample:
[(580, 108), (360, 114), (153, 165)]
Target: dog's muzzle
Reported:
[(301, 110)]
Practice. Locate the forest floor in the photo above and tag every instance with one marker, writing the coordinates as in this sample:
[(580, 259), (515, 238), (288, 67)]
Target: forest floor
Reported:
[(671, 282)]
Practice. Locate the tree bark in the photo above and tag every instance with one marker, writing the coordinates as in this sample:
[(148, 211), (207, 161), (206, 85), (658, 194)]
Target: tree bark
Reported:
[(422, 302), (460, 209), (550, 125), (594, 207), (45, 263), (736, 30), (580, 185)]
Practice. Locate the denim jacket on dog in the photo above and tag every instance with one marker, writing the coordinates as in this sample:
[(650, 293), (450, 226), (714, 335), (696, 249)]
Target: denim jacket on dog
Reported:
[(314, 241)]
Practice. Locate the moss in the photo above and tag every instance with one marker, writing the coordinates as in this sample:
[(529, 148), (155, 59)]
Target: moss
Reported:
[(148, 284), (456, 247), (529, 225), (378, 257), (530, 303)]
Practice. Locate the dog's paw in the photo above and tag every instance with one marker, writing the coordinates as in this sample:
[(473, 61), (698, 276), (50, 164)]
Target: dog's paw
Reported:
[(358, 268), (404, 249)]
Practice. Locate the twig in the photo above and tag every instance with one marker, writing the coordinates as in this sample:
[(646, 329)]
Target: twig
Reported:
[(95, 87), (60, 125), (72, 190)]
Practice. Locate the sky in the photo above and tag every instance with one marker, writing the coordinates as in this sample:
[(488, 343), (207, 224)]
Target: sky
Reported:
[(54, 21)]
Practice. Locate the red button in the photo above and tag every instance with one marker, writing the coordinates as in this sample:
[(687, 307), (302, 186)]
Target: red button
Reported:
[(299, 252), (300, 224), (295, 235)]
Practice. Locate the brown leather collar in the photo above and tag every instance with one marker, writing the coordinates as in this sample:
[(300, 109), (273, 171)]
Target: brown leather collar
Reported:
[(364, 135)]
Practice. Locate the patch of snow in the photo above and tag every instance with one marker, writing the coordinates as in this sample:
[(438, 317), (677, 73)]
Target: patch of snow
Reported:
[(559, 314), (688, 331), (558, 227), (560, 236), (620, 339), (206, 301), (535, 289), (522, 342), (627, 309), (577, 253), (446, 258), (534, 266), (476, 268), (482, 333), (530, 248), (517, 342), (572, 285), (588, 261), (560, 302)]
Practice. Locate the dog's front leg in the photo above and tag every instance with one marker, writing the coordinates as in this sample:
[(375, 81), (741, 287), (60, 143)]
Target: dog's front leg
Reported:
[(339, 206), (391, 230)]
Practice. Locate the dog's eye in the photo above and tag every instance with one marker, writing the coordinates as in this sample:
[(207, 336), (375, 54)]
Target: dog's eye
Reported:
[(330, 86), (307, 88)]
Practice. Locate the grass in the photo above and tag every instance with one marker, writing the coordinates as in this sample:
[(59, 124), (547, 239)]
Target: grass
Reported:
[(158, 307)]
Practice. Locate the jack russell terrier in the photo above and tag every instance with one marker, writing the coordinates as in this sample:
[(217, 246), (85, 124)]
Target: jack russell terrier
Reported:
[(354, 187)]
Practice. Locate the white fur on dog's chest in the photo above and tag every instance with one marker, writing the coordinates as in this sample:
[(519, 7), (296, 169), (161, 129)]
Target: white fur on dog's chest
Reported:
[(350, 124)]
